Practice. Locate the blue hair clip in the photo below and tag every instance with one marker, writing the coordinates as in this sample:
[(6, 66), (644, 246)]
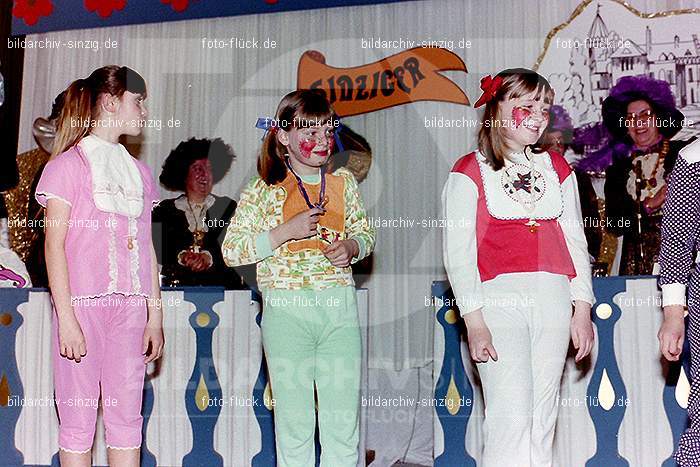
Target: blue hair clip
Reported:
[(267, 124)]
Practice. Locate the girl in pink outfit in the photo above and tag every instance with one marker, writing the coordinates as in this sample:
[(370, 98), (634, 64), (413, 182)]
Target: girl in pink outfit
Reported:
[(100, 262)]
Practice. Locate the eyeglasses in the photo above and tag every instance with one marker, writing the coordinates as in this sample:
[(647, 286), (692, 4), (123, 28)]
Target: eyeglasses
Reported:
[(643, 115)]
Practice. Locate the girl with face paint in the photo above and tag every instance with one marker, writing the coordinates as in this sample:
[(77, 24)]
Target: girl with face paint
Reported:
[(304, 226), (516, 256)]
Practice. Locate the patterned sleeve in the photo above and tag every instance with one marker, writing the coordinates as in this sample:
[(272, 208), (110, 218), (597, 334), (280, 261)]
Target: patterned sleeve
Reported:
[(242, 243), (357, 226), (679, 227)]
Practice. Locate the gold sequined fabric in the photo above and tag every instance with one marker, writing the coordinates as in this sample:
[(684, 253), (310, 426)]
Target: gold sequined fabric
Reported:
[(17, 201), (608, 245)]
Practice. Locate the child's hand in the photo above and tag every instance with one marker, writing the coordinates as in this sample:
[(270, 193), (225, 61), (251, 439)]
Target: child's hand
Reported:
[(153, 338), (672, 332), (582, 329), (341, 252), (479, 338), (303, 225), (71, 340)]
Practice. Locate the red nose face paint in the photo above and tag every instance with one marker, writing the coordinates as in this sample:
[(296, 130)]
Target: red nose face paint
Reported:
[(520, 114), (307, 147)]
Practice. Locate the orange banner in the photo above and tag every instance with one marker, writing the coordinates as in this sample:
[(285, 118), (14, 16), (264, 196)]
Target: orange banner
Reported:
[(408, 76)]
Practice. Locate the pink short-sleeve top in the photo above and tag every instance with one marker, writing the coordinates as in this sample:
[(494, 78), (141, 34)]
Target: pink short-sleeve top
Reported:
[(106, 252)]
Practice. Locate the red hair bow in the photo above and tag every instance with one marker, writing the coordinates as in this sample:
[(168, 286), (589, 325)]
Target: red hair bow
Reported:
[(490, 86)]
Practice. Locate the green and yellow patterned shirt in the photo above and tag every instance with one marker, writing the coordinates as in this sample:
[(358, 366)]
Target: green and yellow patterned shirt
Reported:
[(297, 264)]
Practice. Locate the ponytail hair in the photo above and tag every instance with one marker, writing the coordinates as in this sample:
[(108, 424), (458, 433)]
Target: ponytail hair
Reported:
[(517, 82), (70, 126), (297, 106), (80, 103)]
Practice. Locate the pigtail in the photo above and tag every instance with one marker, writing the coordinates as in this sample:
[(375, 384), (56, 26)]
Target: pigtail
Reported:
[(74, 119), (490, 140), (271, 167)]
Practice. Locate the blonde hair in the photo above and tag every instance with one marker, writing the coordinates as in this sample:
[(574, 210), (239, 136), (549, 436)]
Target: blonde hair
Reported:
[(517, 82)]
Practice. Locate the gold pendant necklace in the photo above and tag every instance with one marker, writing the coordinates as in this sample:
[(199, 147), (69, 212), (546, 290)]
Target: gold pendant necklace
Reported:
[(650, 183), (197, 235), (130, 238)]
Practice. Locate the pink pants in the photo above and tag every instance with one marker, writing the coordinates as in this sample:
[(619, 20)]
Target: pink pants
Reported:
[(113, 327)]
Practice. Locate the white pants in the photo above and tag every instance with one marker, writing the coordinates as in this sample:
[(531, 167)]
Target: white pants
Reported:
[(528, 315)]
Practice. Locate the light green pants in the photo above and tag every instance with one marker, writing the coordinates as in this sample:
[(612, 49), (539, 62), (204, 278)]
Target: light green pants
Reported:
[(313, 337)]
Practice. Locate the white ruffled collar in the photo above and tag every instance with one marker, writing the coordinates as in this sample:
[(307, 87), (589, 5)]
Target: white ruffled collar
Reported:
[(117, 186), (182, 204), (505, 202)]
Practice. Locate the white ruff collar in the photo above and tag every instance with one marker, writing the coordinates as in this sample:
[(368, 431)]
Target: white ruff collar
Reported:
[(192, 222), (116, 181), (504, 202)]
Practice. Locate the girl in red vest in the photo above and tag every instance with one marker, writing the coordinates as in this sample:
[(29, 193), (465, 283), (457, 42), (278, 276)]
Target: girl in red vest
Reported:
[(517, 259)]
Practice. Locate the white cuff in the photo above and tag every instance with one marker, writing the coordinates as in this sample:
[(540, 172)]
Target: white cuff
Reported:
[(582, 296), (43, 197), (673, 294), (469, 304), (360, 250)]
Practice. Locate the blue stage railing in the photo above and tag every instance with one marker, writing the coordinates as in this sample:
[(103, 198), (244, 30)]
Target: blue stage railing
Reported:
[(606, 395)]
